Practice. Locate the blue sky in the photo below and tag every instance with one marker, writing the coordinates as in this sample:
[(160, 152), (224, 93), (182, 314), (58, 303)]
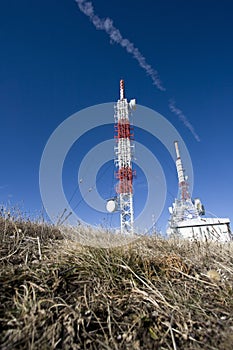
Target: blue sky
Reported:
[(53, 63)]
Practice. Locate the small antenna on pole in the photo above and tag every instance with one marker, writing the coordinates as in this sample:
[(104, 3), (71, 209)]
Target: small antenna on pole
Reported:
[(183, 184), (122, 89)]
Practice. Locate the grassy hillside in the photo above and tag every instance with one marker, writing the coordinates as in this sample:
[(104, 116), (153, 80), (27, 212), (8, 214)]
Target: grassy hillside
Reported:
[(148, 294)]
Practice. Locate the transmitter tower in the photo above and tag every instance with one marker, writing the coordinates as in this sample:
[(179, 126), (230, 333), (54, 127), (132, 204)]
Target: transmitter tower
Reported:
[(123, 161)]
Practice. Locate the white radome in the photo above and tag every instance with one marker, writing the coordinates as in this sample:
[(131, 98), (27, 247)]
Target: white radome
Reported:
[(111, 206), (132, 104)]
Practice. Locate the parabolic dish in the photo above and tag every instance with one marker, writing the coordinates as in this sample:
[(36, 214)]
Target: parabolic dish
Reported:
[(111, 206)]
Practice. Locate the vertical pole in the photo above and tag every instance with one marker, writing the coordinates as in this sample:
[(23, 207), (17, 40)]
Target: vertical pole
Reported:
[(181, 177)]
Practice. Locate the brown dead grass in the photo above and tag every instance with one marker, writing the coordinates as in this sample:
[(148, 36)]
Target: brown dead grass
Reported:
[(149, 294)]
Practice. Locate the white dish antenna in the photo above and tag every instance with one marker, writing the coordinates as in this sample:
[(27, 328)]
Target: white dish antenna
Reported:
[(132, 104), (111, 206), (199, 206)]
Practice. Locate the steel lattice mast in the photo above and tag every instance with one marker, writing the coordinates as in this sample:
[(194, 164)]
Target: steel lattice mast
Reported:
[(123, 161)]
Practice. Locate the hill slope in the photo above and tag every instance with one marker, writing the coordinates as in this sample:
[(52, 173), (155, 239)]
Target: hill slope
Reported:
[(149, 294)]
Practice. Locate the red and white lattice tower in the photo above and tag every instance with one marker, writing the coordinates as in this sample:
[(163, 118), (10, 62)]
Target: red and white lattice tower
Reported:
[(123, 161)]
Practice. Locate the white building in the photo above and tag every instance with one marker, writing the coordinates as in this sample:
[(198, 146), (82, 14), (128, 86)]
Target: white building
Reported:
[(202, 229)]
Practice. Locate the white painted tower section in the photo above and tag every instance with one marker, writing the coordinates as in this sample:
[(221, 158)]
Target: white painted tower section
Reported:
[(179, 167)]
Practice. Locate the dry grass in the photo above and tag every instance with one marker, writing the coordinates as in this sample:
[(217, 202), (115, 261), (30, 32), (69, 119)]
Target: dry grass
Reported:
[(149, 294)]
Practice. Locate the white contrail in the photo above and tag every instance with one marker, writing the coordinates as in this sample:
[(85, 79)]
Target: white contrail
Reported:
[(182, 117), (107, 25)]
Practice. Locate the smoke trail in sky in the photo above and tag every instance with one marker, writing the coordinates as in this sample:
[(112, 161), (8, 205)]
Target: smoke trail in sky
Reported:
[(106, 24), (115, 36), (181, 116)]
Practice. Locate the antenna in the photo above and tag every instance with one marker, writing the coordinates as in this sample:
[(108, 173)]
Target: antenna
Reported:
[(183, 183), (122, 89), (183, 208), (123, 162)]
